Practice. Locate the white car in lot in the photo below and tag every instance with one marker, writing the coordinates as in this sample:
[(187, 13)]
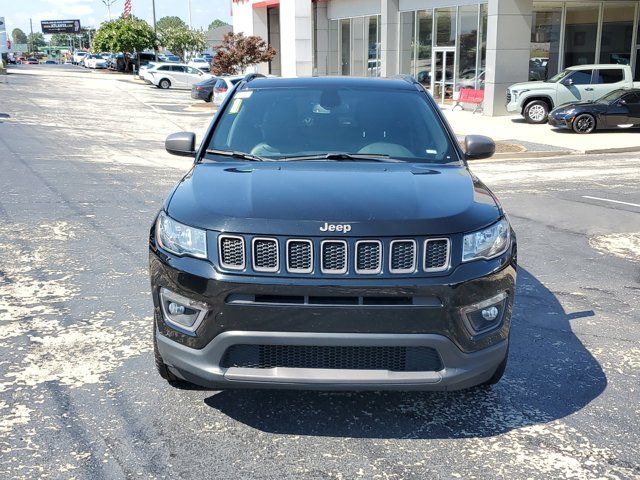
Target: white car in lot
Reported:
[(144, 74), (222, 87), (175, 75), (78, 56), (95, 61), (201, 63)]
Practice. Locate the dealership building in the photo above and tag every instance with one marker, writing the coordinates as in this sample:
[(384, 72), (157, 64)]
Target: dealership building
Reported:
[(445, 44)]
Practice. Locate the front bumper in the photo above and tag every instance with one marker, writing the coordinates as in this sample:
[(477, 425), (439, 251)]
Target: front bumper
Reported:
[(435, 322), (560, 121), (514, 106)]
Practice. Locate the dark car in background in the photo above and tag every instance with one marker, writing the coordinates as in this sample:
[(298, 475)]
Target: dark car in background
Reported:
[(618, 108), (204, 90), (330, 236)]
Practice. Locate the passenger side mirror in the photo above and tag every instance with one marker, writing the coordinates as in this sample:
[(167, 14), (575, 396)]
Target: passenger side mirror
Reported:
[(622, 102), (181, 143), (478, 147)]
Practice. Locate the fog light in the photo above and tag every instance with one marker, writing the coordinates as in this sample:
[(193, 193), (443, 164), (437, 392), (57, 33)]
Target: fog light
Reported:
[(490, 314), (180, 312), (175, 309), (486, 315)]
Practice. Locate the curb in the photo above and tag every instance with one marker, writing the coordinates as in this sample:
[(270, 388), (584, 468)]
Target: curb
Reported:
[(612, 150)]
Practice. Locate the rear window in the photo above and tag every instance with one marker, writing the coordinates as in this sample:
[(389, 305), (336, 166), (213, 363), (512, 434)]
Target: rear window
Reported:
[(279, 122), (609, 75)]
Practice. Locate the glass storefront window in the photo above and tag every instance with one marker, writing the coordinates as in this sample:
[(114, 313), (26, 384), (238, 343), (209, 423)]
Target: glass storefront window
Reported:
[(544, 56), (580, 34), (373, 46), (407, 42), (445, 27), (423, 54), (482, 58), (617, 34), (467, 47), (345, 46)]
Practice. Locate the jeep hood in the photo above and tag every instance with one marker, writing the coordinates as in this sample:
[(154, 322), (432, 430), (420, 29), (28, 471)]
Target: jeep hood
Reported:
[(296, 198)]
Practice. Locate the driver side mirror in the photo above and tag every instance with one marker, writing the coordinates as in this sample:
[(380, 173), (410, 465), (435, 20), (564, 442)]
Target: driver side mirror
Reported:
[(478, 147), (568, 82), (181, 143), (622, 102)]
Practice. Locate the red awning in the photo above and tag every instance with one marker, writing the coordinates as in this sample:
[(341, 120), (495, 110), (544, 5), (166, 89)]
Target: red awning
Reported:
[(266, 3)]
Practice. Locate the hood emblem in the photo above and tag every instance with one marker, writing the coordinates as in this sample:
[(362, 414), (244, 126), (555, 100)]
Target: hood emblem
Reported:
[(335, 227)]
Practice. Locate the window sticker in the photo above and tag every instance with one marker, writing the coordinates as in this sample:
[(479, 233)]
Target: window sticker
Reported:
[(244, 94), (235, 106)]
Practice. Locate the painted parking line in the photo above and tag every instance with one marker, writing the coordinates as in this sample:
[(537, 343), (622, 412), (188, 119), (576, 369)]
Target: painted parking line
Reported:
[(612, 201)]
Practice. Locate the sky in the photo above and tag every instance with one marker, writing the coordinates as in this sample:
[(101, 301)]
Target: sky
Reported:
[(92, 12)]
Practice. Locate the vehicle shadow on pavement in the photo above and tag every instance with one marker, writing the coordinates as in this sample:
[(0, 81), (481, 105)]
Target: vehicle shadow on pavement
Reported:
[(550, 375)]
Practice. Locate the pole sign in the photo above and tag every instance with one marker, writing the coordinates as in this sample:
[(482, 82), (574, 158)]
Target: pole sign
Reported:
[(60, 26), (3, 37)]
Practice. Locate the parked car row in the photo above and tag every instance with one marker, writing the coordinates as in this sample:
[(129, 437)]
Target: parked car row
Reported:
[(582, 98)]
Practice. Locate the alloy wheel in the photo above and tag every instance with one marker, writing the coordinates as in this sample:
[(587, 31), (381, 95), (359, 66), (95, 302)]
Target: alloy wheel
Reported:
[(584, 123), (537, 113)]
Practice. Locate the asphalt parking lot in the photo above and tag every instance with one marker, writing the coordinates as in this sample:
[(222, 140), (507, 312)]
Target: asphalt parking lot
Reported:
[(82, 174)]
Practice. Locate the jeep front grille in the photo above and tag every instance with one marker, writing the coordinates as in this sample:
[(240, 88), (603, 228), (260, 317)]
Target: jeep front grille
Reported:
[(334, 256), (299, 256), (436, 256), (403, 256), (231, 249), (265, 254), (394, 359), (368, 256), (508, 96)]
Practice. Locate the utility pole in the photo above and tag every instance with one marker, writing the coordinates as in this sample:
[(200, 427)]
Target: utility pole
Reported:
[(189, 4), (108, 4), (31, 37), (155, 30)]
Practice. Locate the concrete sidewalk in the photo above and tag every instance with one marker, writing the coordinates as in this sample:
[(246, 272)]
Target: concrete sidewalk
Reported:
[(514, 129)]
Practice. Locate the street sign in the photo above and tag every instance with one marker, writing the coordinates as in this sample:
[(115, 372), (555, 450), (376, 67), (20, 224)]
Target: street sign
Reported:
[(60, 26)]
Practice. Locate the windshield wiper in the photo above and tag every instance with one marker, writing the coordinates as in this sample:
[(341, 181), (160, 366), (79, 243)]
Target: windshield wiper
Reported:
[(242, 155), (342, 156)]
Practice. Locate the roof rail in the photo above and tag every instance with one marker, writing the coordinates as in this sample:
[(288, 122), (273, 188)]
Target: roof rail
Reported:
[(250, 76)]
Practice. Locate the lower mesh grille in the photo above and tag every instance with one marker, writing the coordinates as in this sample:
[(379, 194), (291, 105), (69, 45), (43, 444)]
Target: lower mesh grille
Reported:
[(395, 359), (436, 255)]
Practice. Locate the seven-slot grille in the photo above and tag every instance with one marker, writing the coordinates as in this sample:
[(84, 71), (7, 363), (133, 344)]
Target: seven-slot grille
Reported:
[(299, 256), (335, 256), (231, 252), (368, 256), (265, 254), (436, 256)]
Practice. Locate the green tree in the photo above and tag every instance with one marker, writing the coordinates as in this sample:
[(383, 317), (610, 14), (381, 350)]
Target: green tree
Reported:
[(177, 37), (124, 35), (18, 36), (217, 23), (58, 39), (35, 41)]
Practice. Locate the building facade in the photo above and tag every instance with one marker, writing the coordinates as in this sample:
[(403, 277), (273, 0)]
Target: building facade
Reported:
[(445, 44)]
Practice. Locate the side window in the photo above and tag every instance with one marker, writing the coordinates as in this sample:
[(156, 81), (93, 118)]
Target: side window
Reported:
[(164, 68), (193, 71), (177, 68), (581, 77), (632, 98), (609, 75)]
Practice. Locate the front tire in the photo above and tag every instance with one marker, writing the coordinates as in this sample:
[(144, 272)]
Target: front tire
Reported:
[(584, 123), (536, 112), (164, 84)]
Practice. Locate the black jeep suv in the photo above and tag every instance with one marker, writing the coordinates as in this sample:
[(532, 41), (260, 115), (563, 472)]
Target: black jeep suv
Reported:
[(330, 236)]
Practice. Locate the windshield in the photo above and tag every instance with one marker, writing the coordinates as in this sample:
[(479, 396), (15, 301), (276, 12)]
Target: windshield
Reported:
[(277, 123), (559, 76), (611, 96)]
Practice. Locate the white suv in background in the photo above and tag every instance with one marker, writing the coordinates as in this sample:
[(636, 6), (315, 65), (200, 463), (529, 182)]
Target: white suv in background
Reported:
[(175, 75), (222, 87)]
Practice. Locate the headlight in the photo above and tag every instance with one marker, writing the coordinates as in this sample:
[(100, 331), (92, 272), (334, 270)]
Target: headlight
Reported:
[(569, 111), (487, 243), (180, 239), (517, 93)]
